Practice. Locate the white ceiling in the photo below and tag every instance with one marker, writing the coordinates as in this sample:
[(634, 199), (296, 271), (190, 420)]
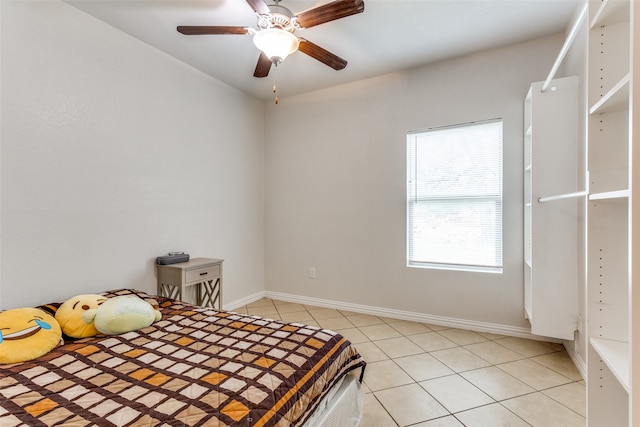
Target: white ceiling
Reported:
[(390, 35)]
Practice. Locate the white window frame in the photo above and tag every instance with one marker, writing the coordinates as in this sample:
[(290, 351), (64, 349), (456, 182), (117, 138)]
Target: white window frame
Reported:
[(413, 200)]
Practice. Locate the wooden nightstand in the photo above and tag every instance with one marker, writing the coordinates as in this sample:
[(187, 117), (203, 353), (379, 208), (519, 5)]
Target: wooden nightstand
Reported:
[(204, 273)]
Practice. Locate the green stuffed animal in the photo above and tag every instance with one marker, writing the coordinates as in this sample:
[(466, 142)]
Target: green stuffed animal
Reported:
[(122, 314)]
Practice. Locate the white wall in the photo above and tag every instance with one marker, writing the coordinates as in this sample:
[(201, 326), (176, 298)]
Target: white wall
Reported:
[(335, 185), (113, 153)]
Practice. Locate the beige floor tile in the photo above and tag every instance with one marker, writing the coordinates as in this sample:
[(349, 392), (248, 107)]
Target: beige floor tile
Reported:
[(573, 396), (348, 313), (398, 347), (262, 308), (455, 393), (388, 320), (462, 337), (335, 323), (436, 327), (534, 374), (493, 353), (409, 328), (490, 336), (297, 316), (379, 332), (262, 303), (391, 385), (497, 383), (448, 421), (288, 307), (529, 348), (385, 374), (410, 404), (542, 411), (365, 320), (561, 363), (374, 414), (371, 352), (269, 312), (354, 335), (324, 313), (459, 359), (494, 415), (432, 341), (422, 367)]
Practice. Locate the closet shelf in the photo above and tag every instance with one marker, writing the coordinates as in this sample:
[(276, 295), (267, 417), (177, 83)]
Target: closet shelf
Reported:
[(617, 99), (618, 194), (615, 354)]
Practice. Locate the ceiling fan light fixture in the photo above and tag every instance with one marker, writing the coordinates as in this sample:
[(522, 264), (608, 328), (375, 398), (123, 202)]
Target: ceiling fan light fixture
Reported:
[(276, 43)]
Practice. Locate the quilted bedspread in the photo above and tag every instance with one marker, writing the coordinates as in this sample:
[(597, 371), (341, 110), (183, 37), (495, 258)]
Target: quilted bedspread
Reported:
[(195, 367)]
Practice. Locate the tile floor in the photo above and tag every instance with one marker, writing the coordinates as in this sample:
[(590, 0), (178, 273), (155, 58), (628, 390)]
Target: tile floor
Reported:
[(424, 375)]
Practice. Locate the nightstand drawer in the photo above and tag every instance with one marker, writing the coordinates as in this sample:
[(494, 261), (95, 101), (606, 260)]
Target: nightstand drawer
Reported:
[(202, 273)]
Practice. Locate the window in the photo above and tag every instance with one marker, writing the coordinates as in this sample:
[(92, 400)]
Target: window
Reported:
[(454, 197)]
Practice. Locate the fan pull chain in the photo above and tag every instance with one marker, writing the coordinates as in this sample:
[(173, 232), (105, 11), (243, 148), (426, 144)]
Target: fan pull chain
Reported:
[(275, 88)]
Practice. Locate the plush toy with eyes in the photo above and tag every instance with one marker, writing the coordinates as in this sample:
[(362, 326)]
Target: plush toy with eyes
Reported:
[(75, 315), (26, 334)]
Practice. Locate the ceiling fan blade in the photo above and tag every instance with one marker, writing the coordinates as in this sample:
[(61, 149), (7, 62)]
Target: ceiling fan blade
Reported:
[(263, 66), (322, 55), (330, 12), (201, 30), (259, 6)]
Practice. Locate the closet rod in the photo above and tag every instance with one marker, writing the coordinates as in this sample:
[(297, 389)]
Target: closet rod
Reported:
[(565, 48), (562, 196)]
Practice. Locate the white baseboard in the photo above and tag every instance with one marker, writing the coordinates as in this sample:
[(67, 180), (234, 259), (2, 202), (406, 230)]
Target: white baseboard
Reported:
[(576, 358), (244, 301), (450, 322)]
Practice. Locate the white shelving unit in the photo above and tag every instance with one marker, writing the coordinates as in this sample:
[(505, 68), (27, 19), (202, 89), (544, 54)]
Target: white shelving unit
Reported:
[(550, 208), (611, 279)]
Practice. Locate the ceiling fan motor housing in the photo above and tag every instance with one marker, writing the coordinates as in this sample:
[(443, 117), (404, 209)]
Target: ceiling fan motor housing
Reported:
[(279, 17)]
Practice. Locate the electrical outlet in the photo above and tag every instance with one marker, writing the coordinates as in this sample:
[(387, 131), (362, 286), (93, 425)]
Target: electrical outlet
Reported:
[(312, 272)]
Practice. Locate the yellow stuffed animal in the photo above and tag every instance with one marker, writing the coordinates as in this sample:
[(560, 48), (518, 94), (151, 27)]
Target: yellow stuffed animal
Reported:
[(26, 334), (75, 315)]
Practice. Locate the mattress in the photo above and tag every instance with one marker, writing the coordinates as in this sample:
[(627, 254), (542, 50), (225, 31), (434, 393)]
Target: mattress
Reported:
[(195, 367), (342, 407)]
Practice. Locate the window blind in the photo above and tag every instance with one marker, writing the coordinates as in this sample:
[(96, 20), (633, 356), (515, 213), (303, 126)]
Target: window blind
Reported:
[(454, 196)]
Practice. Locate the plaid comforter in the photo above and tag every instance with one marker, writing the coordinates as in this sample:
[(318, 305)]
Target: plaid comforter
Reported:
[(195, 367)]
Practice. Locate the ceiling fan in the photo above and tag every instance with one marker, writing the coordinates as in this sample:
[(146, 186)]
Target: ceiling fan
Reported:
[(275, 34)]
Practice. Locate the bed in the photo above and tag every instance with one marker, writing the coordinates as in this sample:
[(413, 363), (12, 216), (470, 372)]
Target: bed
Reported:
[(195, 367)]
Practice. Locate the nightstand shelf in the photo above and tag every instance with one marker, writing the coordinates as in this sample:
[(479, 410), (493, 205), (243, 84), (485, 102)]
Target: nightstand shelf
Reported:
[(204, 273)]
